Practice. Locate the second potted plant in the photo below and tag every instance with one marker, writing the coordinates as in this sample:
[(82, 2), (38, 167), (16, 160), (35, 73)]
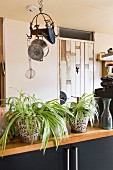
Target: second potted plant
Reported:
[(85, 110)]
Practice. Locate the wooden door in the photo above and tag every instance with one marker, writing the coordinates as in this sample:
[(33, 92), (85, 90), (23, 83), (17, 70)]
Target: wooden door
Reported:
[(76, 68)]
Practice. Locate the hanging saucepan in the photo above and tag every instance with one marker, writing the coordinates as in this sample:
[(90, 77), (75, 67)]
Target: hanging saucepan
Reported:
[(38, 49)]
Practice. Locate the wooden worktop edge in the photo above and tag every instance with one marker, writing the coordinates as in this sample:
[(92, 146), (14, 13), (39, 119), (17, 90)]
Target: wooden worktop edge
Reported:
[(17, 147)]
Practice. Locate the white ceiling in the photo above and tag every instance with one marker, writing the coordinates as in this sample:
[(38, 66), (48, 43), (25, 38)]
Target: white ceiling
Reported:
[(90, 15)]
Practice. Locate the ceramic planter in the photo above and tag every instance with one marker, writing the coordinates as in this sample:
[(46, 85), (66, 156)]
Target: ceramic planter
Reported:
[(79, 125), (25, 136)]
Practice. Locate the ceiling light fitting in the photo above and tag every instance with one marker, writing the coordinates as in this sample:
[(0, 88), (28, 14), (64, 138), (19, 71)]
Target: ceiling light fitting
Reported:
[(31, 8)]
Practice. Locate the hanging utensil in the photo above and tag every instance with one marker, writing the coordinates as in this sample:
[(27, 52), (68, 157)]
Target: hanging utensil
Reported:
[(30, 73), (50, 35), (38, 49)]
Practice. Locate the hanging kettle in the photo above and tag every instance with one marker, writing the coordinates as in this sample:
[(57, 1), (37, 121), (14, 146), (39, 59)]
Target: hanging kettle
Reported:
[(38, 49)]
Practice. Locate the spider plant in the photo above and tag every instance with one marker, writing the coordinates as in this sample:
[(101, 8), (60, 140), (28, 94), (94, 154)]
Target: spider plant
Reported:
[(20, 108), (36, 114), (62, 110), (86, 107), (54, 117)]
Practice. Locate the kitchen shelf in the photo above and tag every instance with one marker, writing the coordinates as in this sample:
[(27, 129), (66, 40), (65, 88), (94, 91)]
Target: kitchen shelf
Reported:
[(101, 60), (17, 146), (102, 56)]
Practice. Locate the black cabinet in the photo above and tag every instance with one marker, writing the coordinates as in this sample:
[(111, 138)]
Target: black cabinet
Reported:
[(52, 160), (93, 155), (89, 155)]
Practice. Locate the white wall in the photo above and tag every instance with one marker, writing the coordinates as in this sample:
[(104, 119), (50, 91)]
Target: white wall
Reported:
[(44, 84), (102, 43)]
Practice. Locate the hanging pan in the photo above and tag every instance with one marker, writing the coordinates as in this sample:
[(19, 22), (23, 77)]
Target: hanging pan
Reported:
[(38, 49)]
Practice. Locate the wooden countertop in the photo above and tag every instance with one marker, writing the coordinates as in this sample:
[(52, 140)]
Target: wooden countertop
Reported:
[(17, 146)]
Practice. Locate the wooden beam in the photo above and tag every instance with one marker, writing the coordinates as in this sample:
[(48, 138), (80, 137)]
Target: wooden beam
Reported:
[(63, 50), (1, 39), (2, 76)]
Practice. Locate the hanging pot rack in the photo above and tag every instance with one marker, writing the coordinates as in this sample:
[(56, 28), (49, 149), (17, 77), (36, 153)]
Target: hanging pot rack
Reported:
[(48, 29), (38, 48)]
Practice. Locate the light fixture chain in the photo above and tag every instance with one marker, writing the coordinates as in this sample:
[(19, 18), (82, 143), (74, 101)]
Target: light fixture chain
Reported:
[(41, 5), (29, 59)]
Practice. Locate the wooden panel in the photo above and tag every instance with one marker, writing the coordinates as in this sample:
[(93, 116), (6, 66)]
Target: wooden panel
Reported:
[(104, 69), (68, 69), (2, 76), (17, 146), (63, 66), (1, 39), (73, 71), (82, 80), (63, 50), (87, 68), (91, 68), (78, 66), (68, 59)]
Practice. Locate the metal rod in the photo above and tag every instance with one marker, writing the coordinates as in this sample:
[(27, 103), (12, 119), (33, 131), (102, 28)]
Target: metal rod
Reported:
[(76, 150), (68, 161)]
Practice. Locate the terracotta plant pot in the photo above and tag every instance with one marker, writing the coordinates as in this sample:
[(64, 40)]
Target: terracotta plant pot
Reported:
[(79, 125)]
